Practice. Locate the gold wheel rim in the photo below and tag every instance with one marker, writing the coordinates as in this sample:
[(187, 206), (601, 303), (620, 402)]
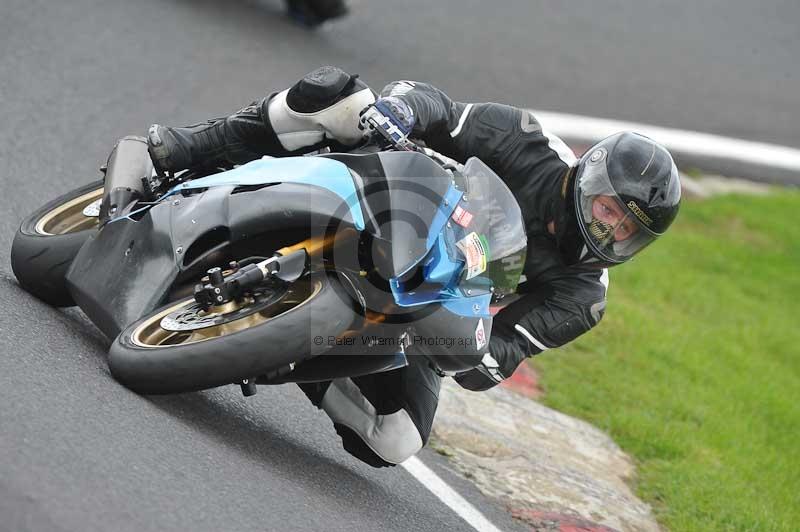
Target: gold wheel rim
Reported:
[(149, 334), (68, 217)]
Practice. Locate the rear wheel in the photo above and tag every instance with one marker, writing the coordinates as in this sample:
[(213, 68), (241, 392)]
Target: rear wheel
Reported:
[(49, 239), (181, 347)]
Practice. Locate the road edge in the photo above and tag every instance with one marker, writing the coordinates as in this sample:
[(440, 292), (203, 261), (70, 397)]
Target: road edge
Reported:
[(757, 161)]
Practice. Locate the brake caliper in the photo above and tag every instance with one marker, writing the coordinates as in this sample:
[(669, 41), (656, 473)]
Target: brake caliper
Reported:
[(221, 288)]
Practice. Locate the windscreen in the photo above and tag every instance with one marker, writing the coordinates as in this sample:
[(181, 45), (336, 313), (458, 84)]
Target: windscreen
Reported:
[(488, 232)]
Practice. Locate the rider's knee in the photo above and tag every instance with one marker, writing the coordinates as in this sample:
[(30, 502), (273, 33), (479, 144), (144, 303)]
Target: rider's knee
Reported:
[(392, 438), (325, 104)]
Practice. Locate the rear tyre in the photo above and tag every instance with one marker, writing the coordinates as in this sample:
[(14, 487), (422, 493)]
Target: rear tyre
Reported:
[(49, 239), (179, 348)]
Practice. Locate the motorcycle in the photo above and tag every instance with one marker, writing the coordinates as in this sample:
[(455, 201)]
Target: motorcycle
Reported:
[(296, 269)]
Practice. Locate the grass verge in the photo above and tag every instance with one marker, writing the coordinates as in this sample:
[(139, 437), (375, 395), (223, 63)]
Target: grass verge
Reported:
[(695, 369)]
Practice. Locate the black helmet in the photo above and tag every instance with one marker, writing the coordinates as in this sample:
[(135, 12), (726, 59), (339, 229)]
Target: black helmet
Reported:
[(627, 193)]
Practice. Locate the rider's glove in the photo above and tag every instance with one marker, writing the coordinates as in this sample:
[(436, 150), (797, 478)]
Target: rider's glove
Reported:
[(485, 375), (507, 350), (390, 116)]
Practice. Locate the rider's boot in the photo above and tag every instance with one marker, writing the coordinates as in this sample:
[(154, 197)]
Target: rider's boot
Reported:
[(319, 110), (312, 13)]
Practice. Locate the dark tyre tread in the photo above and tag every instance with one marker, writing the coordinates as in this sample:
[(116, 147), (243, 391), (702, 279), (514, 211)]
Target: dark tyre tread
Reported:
[(40, 262)]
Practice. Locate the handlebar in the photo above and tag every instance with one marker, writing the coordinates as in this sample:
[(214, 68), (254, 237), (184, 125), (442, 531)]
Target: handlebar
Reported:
[(390, 135)]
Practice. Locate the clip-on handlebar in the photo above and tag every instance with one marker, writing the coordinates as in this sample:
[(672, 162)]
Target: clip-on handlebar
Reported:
[(388, 133)]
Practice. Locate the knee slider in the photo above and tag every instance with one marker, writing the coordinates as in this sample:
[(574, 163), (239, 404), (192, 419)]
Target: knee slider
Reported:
[(321, 89)]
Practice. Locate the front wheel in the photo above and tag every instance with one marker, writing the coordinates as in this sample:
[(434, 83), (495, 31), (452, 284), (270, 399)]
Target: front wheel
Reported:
[(182, 348), (49, 239)]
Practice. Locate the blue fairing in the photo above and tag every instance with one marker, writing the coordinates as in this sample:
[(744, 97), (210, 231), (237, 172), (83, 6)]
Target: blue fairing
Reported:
[(470, 306), (442, 271), (317, 171)]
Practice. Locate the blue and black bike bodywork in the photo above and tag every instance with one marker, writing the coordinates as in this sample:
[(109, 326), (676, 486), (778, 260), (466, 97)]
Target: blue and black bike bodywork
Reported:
[(381, 255)]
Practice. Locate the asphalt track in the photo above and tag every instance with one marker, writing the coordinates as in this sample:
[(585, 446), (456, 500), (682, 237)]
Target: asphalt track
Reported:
[(80, 452)]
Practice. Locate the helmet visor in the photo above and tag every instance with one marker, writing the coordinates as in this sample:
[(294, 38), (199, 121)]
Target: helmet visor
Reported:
[(612, 229)]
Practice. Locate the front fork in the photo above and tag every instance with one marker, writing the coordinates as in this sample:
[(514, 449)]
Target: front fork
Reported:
[(222, 291)]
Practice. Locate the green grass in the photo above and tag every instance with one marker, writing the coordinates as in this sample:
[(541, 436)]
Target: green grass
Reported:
[(695, 369)]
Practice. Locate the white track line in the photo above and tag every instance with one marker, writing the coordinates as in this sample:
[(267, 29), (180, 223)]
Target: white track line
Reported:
[(588, 129), (448, 495)]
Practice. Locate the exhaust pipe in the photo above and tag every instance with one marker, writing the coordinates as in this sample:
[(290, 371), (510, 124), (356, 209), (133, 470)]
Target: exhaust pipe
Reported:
[(128, 165)]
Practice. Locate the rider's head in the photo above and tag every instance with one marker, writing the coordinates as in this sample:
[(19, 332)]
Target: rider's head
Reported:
[(626, 194)]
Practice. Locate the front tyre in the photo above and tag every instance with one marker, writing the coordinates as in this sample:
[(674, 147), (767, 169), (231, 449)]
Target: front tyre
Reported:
[(49, 239), (181, 348)]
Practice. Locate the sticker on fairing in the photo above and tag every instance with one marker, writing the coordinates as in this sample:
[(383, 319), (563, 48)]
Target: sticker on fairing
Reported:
[(462, 216), (475, 250), (480, 336)]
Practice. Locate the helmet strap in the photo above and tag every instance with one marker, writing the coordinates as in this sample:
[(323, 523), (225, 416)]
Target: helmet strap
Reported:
[(569, 177), (568, 236)]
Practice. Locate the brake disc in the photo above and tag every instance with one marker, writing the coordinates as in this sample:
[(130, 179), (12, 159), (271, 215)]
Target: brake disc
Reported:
[(193, 317)]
